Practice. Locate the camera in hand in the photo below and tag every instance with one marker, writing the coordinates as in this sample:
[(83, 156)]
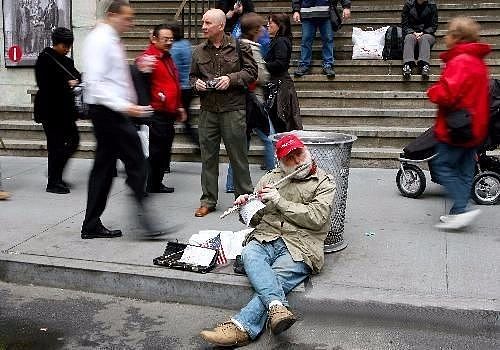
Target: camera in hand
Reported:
[(211, 84)]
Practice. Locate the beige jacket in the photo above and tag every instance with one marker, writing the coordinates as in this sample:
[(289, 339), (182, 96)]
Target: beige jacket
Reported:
[(263, 74), (301, 217)]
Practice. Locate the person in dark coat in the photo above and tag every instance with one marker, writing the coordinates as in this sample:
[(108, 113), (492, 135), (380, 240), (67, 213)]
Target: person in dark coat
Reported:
[(54, 105), (281, 97), (234, 9), (419, 21)]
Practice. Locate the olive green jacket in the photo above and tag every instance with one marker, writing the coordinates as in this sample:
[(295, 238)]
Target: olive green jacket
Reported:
[(301, 217), (210, 62)]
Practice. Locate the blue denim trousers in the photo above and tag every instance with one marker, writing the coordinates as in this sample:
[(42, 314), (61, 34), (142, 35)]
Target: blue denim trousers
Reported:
[(454, 169), (273, 274), (309, 27)]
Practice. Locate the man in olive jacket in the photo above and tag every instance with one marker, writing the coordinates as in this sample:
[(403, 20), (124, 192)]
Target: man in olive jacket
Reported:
[(286, 245), (220, 77)]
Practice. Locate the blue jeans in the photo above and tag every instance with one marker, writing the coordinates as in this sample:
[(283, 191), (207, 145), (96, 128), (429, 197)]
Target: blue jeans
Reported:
[(309, 27), (269, 160), (454, 169), (273, 274)]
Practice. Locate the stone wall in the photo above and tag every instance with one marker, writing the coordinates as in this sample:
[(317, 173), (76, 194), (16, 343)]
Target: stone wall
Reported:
[(14, 81)]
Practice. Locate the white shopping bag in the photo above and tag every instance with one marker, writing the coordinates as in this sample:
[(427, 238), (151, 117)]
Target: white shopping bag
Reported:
[(368, 44), (144, 136)]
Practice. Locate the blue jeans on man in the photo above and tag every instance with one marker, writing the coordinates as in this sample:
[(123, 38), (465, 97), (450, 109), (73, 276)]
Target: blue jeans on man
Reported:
[(309, 27), (454, 169), (273, 274)]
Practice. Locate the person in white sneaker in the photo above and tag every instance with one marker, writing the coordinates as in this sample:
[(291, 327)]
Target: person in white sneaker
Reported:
[(286, 245), (462, 96)]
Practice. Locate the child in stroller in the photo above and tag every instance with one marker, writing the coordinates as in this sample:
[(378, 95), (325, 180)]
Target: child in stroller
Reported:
[(411, 180)]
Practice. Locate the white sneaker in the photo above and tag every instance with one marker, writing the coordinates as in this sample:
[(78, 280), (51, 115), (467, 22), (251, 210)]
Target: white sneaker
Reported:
[(446, 218), (459, 221)]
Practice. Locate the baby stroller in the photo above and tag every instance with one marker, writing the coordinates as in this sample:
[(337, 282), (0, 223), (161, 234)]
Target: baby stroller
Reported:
[(411, 180)]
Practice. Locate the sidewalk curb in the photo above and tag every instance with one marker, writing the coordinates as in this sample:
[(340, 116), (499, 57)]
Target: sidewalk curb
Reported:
[(233, 291)]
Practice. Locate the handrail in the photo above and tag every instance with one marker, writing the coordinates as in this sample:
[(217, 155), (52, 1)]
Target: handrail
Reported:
[(189, 14), (180, 10)]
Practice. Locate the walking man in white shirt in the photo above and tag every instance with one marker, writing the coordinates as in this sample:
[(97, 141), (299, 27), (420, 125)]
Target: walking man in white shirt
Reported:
[(112, 100)]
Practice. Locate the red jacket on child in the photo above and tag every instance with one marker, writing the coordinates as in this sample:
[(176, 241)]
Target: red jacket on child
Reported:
[(165, 87), (464, 84)]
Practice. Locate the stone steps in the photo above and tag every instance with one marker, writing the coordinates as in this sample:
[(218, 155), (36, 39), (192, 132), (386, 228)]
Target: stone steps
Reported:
[(378, 11), (367, 98)]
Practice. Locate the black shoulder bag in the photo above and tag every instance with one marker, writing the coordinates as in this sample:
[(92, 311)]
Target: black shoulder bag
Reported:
[(459, 125), (335, 17), (82, 108)]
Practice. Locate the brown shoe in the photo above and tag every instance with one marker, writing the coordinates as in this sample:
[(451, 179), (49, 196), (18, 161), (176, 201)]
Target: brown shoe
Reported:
[(226, 334), (280, 318), (4, 195), (202, 211)]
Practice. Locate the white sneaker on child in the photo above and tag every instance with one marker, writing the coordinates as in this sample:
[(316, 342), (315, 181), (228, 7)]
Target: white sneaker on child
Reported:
[(459, 221)]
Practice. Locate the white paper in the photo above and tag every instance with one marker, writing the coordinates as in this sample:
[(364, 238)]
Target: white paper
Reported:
[(197, 256), (248, 210), (232, 242)]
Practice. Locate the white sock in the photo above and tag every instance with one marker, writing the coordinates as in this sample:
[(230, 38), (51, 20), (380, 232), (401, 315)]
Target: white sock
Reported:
[(239, 325), (275, 302)]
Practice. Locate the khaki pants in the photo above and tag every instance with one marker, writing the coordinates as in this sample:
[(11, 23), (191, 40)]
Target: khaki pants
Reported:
[(231, 126)]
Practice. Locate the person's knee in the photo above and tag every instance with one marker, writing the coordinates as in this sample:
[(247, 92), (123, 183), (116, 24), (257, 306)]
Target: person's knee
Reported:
[(410, 38)]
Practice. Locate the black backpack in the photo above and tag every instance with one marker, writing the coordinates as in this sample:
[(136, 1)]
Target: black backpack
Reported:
[(393, 47), (494, 112)]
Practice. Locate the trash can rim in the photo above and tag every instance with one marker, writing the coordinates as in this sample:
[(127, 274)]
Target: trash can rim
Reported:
[(322, 136)]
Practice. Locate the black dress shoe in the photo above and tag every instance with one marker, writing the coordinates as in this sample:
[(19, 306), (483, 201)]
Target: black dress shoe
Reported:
[(162, 189), (100, 232), (57, 188)]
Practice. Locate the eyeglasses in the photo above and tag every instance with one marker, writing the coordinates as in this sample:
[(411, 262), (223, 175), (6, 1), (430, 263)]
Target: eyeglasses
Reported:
[(166, 39)]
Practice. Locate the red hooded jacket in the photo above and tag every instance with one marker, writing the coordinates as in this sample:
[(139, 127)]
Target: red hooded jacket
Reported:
[(464, 84), (164, 82)]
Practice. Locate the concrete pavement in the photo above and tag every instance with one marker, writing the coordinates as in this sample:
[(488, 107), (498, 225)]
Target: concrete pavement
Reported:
[(397, 265)]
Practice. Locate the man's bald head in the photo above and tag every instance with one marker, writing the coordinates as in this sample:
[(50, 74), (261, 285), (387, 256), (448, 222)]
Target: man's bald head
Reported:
[(213, 23), (217, 16)]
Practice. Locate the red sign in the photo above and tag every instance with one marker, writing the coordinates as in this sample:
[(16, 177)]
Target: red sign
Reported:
[(15, 53)]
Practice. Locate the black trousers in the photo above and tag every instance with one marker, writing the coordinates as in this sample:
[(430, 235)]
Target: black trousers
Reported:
[(117, 138), (161, 137), (62, 142)]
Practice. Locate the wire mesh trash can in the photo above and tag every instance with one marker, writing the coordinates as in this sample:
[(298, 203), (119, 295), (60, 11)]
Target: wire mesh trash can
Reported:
[(332, 153)]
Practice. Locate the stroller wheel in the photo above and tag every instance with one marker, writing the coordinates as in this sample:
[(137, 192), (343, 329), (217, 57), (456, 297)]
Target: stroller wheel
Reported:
[(486, 188), (412, 183)]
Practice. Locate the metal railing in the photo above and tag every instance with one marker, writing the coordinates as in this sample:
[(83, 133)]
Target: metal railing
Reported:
[(189, 14)]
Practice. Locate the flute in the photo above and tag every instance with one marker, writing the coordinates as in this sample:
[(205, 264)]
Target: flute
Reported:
[(254, 195)]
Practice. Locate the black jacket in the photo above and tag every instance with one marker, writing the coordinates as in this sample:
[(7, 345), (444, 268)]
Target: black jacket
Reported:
[(278, 57), (226, 5), (285, 115), (54, 99), (426, 22)]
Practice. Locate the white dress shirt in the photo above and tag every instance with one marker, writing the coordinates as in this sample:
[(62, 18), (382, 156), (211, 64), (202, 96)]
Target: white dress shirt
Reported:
[(106, 73)]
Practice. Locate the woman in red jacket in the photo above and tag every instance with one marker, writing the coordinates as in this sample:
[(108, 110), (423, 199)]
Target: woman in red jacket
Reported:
[(461, 89)]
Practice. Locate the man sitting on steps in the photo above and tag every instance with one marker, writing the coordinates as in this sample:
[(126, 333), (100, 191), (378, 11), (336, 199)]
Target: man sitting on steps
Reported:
[(419, 21), (286, 245)]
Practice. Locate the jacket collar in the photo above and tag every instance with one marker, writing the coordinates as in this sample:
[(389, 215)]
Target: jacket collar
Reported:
[(227, 40), (475, 49), (153, 50), (423, 14)]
